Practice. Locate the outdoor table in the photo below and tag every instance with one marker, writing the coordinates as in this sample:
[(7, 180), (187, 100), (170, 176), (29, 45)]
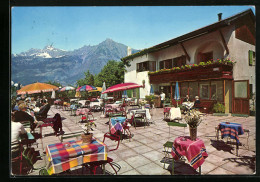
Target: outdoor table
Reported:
[(64, 156), (194, 151), (231, 130), (82, 111), (166, 111), (116, 124), (143, 112)]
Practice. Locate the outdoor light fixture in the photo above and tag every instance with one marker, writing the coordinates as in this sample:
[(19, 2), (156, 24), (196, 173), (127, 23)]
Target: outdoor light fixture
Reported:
[(143, 83)]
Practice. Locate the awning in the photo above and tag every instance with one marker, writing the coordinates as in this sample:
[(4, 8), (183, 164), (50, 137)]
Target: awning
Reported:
[(121, 87)]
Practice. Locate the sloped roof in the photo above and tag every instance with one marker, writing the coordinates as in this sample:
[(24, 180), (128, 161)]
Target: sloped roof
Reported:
[(193, 34)]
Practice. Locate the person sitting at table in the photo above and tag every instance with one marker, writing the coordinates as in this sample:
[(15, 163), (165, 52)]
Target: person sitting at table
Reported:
[(17, 131), (186, 99), (21, 115), (196, 103), (43, 110)]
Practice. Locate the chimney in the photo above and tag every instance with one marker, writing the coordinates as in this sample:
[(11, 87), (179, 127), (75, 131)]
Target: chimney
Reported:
[(219, 16), (129, 51)]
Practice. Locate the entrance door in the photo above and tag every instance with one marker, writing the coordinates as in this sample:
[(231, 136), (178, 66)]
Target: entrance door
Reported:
[(240, 97)]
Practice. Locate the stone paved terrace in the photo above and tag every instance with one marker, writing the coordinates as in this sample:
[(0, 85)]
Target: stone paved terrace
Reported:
[(143, 155)]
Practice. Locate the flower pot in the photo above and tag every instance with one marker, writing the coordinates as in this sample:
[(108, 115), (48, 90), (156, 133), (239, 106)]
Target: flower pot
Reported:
[(86, 138), (193, 133)]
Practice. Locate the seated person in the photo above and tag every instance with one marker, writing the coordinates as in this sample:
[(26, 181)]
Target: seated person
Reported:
[(17, 131), (22, 115), (43, 110), (186, 99), (197, 103)]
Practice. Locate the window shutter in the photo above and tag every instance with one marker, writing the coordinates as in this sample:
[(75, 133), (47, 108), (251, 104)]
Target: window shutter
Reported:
[(129, 93), (250, 57)]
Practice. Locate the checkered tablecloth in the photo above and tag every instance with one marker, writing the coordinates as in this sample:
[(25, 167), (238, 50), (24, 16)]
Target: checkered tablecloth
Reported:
[(116, 124), (64, 156), (231, 130), (194, 151)]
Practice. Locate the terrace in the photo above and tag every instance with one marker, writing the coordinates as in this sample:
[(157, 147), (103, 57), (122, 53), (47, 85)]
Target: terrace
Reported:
[(143, 155)]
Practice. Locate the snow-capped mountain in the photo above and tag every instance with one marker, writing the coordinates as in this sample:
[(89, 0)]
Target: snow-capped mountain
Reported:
[(47, 52), (50, 63)]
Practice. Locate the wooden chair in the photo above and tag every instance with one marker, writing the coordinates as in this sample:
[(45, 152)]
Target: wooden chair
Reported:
[(168, 145)]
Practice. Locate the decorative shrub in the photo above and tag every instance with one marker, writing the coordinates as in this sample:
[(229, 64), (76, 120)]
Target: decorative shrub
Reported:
[(150, 99), (219, 108)]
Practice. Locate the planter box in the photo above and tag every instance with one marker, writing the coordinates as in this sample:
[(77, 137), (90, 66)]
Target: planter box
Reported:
[(216, 71), (220, 114)]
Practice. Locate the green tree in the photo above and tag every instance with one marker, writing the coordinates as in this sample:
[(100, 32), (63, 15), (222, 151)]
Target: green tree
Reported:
[(88, 80), (112, 73)]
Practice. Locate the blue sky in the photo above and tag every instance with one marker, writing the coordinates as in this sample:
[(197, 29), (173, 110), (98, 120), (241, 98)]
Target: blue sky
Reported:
[(139, 27)]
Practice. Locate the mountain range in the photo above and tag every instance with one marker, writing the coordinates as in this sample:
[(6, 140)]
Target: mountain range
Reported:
[(65, 67)]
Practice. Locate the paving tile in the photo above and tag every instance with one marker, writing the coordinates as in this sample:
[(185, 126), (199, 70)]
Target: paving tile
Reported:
[(124, 167), (137, 161), (125, 154), (154, 155), (238, 167), (220, 171), (206, 167), (150, 169), (216, 160), (142, 149), (131, 172)]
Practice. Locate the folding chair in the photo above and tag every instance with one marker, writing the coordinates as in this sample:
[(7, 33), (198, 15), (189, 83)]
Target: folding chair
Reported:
[(18, 158)]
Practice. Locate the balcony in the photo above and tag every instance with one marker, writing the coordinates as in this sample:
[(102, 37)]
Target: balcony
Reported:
[(220, 69)]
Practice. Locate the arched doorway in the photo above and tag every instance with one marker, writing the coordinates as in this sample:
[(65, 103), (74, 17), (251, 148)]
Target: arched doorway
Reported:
[(208, 51)]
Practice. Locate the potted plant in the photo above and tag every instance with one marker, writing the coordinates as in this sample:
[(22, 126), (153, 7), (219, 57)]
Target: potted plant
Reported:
[(87, 136), (193, 119), (219, 110), (150, 99)]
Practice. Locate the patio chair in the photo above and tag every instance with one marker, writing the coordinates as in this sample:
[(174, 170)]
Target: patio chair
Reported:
[(168, 145), (42, 114), (94, 165), (19, 158)]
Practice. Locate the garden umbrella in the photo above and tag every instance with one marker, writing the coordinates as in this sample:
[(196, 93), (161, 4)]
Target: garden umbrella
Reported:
[(103, 96), (67, 88), (121, 87), (37, 88), (99, 89), (124, 95), (86, 88), (151, 90), (177, 94)]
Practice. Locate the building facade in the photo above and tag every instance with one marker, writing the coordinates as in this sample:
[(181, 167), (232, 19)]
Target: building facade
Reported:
[(216, 62)]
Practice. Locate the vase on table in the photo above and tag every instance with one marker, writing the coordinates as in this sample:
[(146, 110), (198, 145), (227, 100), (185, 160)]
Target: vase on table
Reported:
[(87, 138), (193, 133)]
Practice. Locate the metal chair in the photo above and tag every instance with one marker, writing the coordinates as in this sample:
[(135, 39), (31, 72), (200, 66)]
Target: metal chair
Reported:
[(168, 145)]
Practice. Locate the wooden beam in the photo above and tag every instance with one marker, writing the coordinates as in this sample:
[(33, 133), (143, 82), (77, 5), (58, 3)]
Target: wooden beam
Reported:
[(185, 51), (223, 41)]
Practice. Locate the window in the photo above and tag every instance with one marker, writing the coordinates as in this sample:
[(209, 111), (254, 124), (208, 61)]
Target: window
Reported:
[(161, 65), (146, 66), (184, 89), (251, 58), (204, 57), (193, 90), (179, 61), (168, 63), (240, 89), (217, 91), (204, 90)]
